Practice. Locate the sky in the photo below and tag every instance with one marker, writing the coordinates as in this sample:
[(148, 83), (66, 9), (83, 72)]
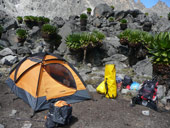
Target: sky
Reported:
[(150, 3)]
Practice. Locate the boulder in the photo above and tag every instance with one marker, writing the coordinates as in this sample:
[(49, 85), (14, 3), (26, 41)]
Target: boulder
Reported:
[(9, 60), (97, 23), (144, 67), (117, 57), (102, 10), (10, 36), (64, 32), (120, 14), (2, 126), (135, 12), (23, 51), (58, 21), (161, 91), (4, 43), (34, 32), (5, 52)]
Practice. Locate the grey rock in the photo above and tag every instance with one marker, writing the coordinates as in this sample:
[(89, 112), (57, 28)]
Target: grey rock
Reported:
[(2, 126), (64, 32), (120, 14), (164, 100), (91, 88), (9, 60), (10, 23), (114, 41), (124, 91), (27, 124), (23, 51), (143, 67), (34, 32), (134, 26), (0, 76), (11, 37), (71, 59), (135, 12), (4, 43), (129, 18), (97, 22), (5, 52), (161, 91), (102, 10), (117, 57), (13, 113), (118, 65), (58, 21), (111, 51)]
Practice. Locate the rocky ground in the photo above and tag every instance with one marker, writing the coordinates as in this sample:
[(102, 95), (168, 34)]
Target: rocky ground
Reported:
[(99, 112)]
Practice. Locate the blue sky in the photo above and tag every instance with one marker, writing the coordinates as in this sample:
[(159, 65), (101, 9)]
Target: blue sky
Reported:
[(150, 3)]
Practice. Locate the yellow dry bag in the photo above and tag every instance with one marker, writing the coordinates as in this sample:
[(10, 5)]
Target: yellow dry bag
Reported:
[(108, 86)]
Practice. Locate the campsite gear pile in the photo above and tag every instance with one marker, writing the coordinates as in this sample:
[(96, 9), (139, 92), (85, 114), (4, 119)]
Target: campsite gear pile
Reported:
[(60, 113), (43, 78), (129, 84), (147, 95), (108, 86)]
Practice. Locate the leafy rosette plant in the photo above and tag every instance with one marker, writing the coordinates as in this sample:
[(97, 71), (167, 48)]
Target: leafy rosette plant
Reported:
[(21, 33), (49, 29), (123, 36), (19, 18), (89, 10), (160, 48), (84, 41)]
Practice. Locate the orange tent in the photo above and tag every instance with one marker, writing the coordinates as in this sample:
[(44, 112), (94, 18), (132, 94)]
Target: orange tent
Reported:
[(44, 78)]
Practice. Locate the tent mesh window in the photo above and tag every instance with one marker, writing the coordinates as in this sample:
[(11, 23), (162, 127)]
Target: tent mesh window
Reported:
[(60, 74)]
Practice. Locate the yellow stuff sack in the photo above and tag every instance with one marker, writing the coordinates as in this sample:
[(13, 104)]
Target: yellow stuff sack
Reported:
[(101, 88), (108, 86)]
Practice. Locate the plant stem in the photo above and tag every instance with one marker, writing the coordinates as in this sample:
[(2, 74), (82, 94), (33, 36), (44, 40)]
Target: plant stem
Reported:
[(84, 58)]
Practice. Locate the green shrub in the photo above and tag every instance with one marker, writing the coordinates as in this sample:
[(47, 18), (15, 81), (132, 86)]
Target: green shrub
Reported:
[(169, 16), (146, 14), (19, 18), (83, 40), (123, 21), (83, 16), (49, 29), (46, 20), (26, 18), (112, 7), (160, 48), (161, 16), (111, 19), (21, 33), (135, 37), (1, 29), (89, 9)]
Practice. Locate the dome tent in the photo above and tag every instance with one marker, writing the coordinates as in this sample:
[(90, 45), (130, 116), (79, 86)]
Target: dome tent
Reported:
[(43, 78)]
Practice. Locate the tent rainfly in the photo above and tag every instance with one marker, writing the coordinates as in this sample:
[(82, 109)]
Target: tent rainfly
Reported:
[(43, 78)]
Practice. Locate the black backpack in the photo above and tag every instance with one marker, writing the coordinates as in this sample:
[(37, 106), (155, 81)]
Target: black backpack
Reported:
[(58, 116), (127, 81), (148, 90)]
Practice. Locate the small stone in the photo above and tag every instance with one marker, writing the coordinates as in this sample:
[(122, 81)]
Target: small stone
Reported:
[(124, 91), (91, 88), (13, 112), (2, 126), (27, 124)]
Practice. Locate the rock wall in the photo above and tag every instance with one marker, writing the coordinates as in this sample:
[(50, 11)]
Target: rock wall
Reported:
[(65, 8)]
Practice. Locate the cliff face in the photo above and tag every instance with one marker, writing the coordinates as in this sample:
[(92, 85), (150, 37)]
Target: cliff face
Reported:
[(65, 8)]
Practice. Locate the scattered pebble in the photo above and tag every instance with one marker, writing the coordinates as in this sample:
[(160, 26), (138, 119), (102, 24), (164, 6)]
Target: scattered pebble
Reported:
[(13, 112), (27, 124)]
